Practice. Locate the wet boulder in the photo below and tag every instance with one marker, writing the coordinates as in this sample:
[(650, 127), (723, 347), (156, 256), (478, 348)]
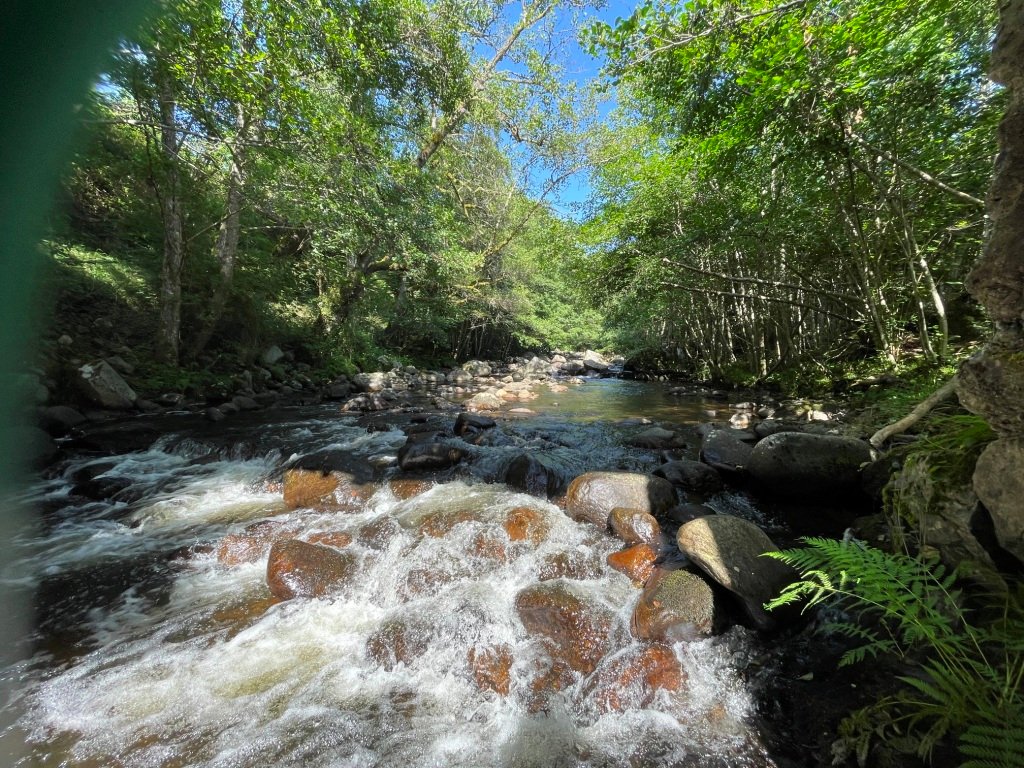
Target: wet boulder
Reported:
[(592, 496), (492, 667), (806, 466), (299, 569), (725, 451), (578, 632), (535, 474), (468, 423), (637, 562), (675, 605), (428, 457), (729, 549), (398, 642), (459, 377), (656, 438), (631, 679), (691, 476), (525, 524), (331, 479), (634, 526), (103, 386)]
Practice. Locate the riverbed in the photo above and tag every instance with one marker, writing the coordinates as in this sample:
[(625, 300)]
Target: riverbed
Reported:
[(148, 649)]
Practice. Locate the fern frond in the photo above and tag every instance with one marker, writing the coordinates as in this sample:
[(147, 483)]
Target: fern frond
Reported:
[(992, 747)]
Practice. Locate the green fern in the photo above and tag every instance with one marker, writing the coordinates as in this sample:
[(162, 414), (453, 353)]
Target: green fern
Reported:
[(968, 681)]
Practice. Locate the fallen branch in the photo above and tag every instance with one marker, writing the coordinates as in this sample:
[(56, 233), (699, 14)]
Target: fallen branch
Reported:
[(919, 412)]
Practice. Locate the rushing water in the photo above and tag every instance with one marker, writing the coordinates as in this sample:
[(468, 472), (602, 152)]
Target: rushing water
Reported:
[(142, 659)]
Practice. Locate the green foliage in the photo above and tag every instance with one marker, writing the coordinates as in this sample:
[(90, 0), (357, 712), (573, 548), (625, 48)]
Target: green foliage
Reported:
[(967, 673), (759, 200)]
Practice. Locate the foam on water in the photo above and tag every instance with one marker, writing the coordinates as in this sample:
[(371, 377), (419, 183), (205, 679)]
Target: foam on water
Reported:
[(216, 675)]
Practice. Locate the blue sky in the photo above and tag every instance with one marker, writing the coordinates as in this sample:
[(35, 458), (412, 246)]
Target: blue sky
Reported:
[(581, 68)]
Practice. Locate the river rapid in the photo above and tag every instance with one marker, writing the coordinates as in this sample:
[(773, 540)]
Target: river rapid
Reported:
[(149, 650)]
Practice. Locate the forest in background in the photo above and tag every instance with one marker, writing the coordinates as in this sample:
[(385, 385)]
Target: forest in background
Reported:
[(781, 189)]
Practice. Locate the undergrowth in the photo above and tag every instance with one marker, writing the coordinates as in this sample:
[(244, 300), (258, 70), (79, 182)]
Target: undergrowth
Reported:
[(967, 667)]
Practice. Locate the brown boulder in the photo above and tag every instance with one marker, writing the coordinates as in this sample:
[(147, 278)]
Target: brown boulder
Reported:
[(336, 539), (330, 479), (525, 524), (636, 562), (577, 566), (406, 488), (631, 680), (729, 549), (316, 490), (397, 642), (298, 569), (634, 526), (579, 633), (491, 668), (438, 524), (675, 605), (379, 533), (592, 496)]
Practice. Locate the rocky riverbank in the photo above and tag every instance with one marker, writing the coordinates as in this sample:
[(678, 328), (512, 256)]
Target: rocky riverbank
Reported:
[(682, 510)]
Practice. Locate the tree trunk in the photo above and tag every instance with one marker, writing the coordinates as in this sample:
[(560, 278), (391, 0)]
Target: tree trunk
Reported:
[(227, 240), (169, 322)]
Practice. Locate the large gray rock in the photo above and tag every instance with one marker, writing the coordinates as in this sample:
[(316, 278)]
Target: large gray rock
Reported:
[(999, 483), (691, 476), (458, 377), (572, 368), (477, 368), (728, 549), (592, 496), (799, 465), (484, 401), (724, 451), (656, 438), (595, 361), (58, 420), (102, 385), (272, 355), (370, 382)]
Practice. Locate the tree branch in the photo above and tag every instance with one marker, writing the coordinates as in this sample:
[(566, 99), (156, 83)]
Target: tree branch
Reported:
[(919, 412), (925, 177)]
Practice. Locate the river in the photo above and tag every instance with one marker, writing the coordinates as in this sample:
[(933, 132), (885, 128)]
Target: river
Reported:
[(149, 650)]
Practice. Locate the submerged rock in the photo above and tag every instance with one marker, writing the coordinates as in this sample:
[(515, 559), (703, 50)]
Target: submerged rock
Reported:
[(525, 524), (492, 667), (592, 496), (298, 569), (579, 631), (331, 479), (729, 550), (631, 679)]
